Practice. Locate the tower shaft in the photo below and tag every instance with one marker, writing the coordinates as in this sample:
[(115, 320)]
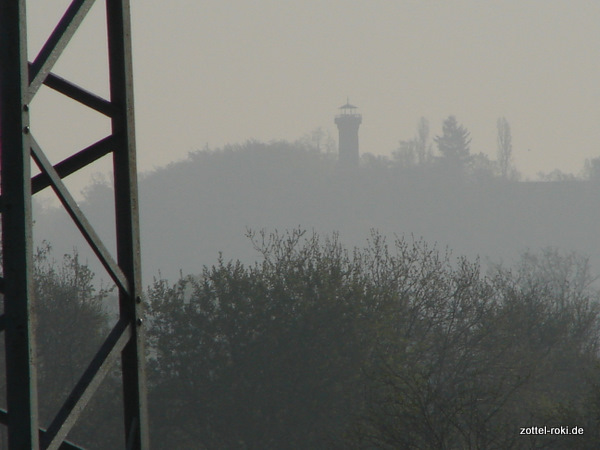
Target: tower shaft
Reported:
[(348, 123)]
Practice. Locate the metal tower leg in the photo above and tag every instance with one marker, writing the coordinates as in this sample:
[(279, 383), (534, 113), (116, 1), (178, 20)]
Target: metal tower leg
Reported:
[(19, 82), (16, 229)]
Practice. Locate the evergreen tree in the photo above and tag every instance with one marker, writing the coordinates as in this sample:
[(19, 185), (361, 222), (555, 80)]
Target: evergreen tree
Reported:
[(453, 144)]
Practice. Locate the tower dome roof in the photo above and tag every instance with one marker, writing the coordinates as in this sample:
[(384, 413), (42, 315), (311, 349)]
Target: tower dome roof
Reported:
[(347, 106)]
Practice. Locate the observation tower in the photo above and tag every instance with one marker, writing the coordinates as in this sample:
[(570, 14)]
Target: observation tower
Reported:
[(348, 122)]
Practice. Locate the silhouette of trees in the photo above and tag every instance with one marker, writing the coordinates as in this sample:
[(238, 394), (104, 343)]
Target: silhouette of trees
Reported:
[(267, 356), (391, 346), (591, 169), (556, 175), (490, 356), (453, 144), (319, 140), (455, 158), (416, 151)]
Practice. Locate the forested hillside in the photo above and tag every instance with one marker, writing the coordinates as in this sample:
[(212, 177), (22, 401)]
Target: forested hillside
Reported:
[(193, 209)]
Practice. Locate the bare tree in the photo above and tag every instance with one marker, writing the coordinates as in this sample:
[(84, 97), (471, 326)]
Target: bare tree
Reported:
[(418, 150), (591, 169), (320, 140), (423, 145)]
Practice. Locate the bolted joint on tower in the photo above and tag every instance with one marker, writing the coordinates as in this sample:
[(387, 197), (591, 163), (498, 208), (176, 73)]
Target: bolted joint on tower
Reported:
[(348, 122)]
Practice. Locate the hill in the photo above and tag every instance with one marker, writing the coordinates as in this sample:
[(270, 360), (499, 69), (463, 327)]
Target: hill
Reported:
[(192, 210)]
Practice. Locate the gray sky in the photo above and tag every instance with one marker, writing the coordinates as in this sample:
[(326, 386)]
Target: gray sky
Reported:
[(217, 72)]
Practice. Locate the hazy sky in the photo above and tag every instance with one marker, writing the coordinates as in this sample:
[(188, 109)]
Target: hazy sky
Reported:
[(217, 72)]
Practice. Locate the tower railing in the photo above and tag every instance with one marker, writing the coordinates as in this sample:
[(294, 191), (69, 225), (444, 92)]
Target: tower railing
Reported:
[(348, 114)]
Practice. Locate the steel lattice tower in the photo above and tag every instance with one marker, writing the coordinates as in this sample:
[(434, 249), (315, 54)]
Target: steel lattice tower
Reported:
[(20, 80)]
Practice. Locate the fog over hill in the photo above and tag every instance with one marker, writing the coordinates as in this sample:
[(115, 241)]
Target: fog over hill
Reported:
[(192, 210)]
